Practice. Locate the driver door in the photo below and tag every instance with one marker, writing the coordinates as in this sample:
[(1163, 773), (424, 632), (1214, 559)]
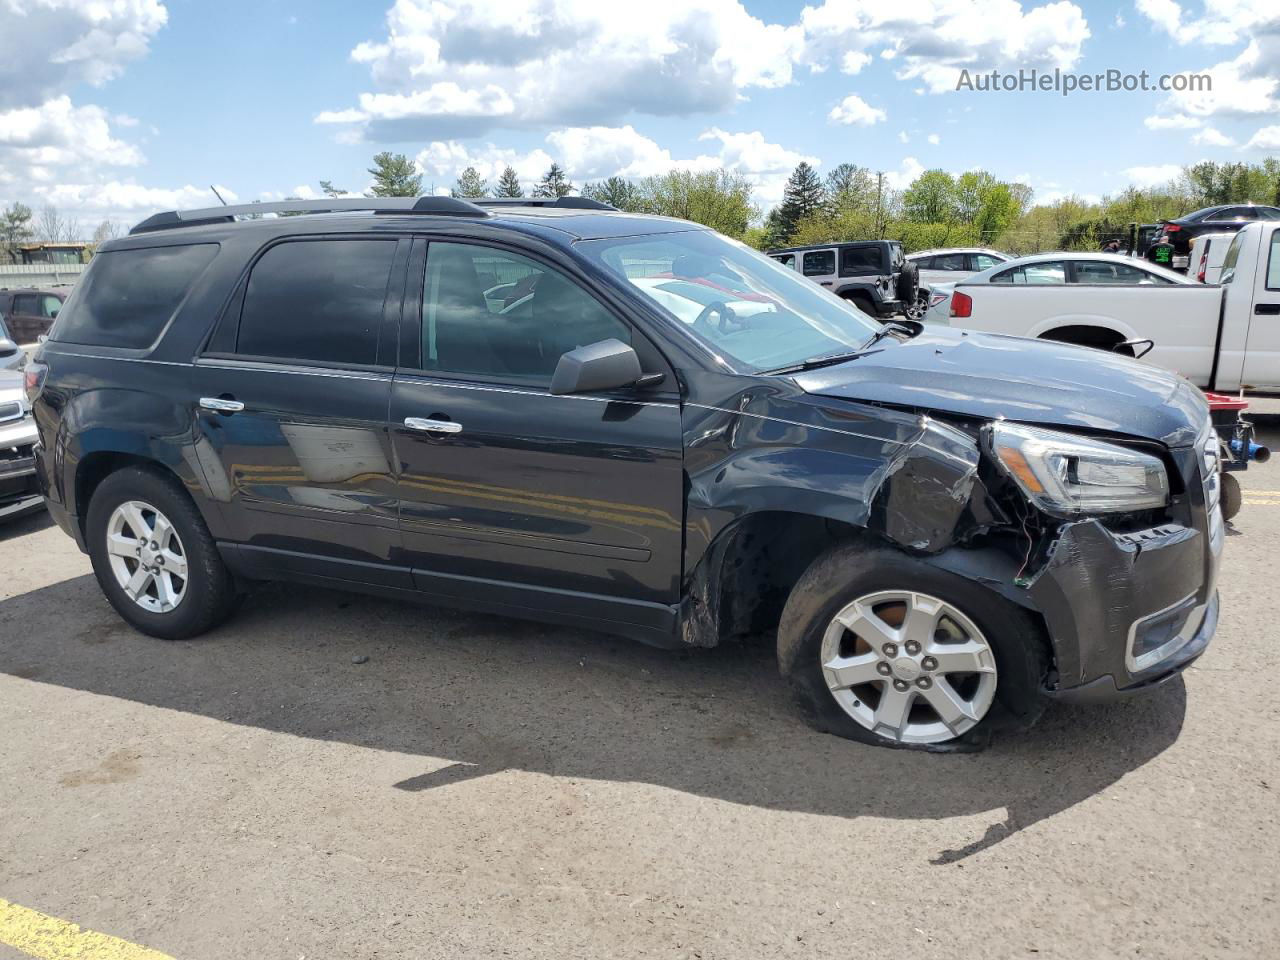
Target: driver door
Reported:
[(506, 490)]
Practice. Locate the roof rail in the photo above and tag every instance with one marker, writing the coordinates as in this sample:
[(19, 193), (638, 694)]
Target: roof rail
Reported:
[(438, 206), (563, 203)]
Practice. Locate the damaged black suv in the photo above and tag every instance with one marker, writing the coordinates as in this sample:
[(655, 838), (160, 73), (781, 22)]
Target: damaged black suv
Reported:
[(553, 410)]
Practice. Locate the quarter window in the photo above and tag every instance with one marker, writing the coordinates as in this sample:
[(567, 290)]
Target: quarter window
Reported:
[(819, 263), (126, 297), (495, 314), (1273, 262), (984, 261), (317, 301), (860, 262)]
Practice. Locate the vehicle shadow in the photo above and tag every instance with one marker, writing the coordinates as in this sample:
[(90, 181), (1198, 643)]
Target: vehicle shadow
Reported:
[(490, 694), (28, 523)]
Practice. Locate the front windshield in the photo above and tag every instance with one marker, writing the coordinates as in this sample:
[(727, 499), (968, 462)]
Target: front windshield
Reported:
[(742, 304)]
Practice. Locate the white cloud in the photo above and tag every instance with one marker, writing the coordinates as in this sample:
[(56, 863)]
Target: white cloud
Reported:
[(1176, 121), (933, 40), (593, 153), (1156, 175), (46, 46), (903, 137), (853, 61), (901, 178), (1212, 138), (117, 199), (454, 68), (1267, 138), (1223, 21), (934, 139), (853, 110), (57, 134)]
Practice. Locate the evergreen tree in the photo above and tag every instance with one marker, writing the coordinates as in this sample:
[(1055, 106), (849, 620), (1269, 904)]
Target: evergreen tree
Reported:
[(509, 184), (849, 189), (395, 175), (802, 198), (471, 184), (554, 183), (329, 190)]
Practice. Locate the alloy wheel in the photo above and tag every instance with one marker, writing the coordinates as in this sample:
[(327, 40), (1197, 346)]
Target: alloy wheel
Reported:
[(147, 556), (909, 667)]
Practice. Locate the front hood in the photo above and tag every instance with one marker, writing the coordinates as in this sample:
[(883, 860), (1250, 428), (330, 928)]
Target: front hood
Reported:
[(1034, 381)]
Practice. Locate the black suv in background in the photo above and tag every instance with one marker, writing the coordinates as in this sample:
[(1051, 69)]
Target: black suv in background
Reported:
[(1228, 218), (557, 411), (873, 274)]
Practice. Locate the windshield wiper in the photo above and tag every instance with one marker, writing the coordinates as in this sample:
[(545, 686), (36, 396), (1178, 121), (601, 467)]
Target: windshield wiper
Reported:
[(814, 363), (912, 328)]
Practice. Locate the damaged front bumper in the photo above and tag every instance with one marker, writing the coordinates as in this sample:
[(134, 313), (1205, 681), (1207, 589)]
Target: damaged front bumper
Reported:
[(1126, 612)]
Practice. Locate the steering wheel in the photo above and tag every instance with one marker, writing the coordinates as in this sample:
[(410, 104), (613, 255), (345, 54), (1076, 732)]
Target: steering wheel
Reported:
[(727, 320)]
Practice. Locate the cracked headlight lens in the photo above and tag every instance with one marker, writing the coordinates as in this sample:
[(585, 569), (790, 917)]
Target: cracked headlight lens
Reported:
[(1066, 475)]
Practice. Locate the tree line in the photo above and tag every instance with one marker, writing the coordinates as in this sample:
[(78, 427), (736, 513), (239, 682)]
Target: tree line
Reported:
[(937, 209)]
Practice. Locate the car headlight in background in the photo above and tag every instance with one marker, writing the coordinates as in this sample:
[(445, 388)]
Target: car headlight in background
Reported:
[(1067, 475)]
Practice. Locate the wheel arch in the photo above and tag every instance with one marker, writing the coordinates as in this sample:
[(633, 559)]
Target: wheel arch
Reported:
[(105, 431)]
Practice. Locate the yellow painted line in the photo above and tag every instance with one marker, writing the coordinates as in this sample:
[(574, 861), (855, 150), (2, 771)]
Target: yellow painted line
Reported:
[(48, 938)]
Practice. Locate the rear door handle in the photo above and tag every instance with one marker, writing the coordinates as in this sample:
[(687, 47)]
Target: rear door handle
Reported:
[(427, 425), (221, 405), (1267, 309)]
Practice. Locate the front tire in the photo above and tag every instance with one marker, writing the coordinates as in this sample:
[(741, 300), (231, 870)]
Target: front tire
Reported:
[(886, 649), (154, 558)]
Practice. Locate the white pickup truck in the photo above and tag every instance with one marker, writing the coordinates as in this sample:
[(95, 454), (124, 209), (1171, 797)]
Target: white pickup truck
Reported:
[(1222, 337)]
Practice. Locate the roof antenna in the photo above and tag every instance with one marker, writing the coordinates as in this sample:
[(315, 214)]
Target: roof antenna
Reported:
[(217, 194)]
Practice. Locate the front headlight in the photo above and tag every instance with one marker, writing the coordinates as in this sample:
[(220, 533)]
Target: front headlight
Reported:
[(1066, 475)]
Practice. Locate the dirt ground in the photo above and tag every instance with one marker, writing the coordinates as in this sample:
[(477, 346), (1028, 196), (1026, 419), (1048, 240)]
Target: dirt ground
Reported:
[(484, 787)]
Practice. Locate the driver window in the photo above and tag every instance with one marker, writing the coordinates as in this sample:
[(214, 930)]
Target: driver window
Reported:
[(1230, 260), (495, 314)]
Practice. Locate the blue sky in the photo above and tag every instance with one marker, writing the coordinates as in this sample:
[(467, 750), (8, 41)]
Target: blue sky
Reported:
[(114, 112)]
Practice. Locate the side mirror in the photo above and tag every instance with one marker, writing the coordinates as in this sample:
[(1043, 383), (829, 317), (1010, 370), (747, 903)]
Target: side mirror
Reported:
[(597, 366), (7, 347)]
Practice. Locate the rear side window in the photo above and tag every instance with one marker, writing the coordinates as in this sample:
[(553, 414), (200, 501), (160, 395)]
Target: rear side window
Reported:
[(1273, 262), (128, 296), (860, 262), (984, 261), (1047, 273), (948, 261), (318, 301), (819, 263)]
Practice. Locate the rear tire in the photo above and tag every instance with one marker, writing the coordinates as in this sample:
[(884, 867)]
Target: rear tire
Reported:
[(1232, 496), (168, 604), (1014, 659)]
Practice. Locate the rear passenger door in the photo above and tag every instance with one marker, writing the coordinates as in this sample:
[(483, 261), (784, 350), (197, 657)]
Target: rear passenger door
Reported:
[(512, 495), (291, 400)]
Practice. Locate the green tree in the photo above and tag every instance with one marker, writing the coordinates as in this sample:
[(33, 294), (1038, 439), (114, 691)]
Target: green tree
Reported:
[(849, 188), (470, 184), (931, 198), (715, 198), (509, 184), (554, 183), (801, 199), (395, 175), (616, 191), (15, 228), (329, 190)]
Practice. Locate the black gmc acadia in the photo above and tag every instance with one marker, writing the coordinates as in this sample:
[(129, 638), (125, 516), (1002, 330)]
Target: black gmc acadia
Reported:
[(554, 410)]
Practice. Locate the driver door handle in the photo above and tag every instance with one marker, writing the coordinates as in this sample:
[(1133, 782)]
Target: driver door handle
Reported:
[(221, 405), (432, 426)]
